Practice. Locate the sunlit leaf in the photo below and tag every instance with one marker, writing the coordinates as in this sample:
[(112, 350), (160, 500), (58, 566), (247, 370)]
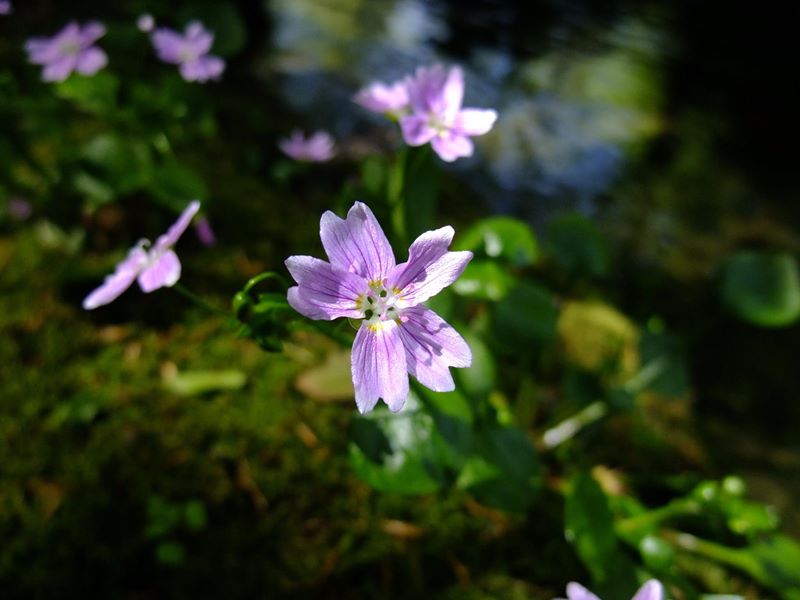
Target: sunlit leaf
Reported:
[(501, 237), (762, 288), (484, 279), (192, 383)]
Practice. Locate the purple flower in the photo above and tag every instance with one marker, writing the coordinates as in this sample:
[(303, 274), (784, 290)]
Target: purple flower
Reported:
[(71, 49), (154, 266), (398, 335), (5, 7), (382, 98), (190, 51), (204, 232), (19, 209), (651, 590), (146, 23), (435, 97), (318, 147)]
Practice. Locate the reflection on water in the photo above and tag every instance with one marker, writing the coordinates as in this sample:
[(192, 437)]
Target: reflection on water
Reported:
[(570, 116)]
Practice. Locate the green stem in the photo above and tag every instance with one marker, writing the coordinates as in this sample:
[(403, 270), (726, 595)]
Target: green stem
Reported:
[(200, 301), (567, 428), (683, 506), (712, 550)]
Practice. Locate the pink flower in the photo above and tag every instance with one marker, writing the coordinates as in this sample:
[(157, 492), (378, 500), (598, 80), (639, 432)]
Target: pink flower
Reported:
[(190, 51), (651, 590), (205, 234), (153, 266), (398, 336), (5, 7), (435, 97), (382, 98), (318, 147), (71, 49), (145, 23)]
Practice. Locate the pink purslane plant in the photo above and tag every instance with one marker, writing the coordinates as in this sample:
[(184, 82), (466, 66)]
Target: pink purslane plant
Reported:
[(391, 99), (154, 266), (435, 97), (398, 335), (190, 51), (318, 147), (428, 106), (71, 49), (651, 590)]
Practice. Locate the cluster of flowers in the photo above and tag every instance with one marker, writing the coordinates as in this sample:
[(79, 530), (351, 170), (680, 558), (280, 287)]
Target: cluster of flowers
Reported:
[(74, 49), (428, 106)]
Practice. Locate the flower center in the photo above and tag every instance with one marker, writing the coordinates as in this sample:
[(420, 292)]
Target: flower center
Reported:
[(379, 304), (70, 48)]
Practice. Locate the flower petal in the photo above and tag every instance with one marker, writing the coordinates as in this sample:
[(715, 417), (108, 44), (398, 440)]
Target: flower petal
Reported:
[(90, 33), (651, 590), (432, 346), (430, 267), (575, 591), (168, 44), (174, 233), (90, 61), (378, 366), (357, 244), (60, 69), (324, 292), (450, 146), (474, 121), (416, 130), (452, 93), (164, 272), (119, 281), (202, 69)]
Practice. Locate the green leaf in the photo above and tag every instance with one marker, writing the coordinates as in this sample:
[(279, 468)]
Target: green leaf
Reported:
[(124, 163), (504, 470), (589, 527), (478, 379), (502, 237), (193, 383), (528, 314), (96, 94), (396, 452), (485, 280), (195, 515), (577, 246), (762, 288), (171, 554), (175, 185)]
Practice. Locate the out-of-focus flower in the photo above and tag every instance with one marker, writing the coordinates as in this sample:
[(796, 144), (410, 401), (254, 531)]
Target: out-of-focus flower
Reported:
[(435, 97), (146, 23), (71, 49), (384, 98), (398, 336), (19, 209), (154, 266), (318, 147), (651, 590), (190, 51), (5, 7), (205, 234)]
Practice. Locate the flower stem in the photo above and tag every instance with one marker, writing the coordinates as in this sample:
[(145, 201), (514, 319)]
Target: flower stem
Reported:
[(200, 301)]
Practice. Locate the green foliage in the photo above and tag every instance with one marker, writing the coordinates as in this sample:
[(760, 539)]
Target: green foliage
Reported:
[(501, 237), (578, 247), (762, 288)]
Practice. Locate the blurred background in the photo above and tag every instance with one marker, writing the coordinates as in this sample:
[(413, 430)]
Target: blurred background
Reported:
[(635, 331)]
